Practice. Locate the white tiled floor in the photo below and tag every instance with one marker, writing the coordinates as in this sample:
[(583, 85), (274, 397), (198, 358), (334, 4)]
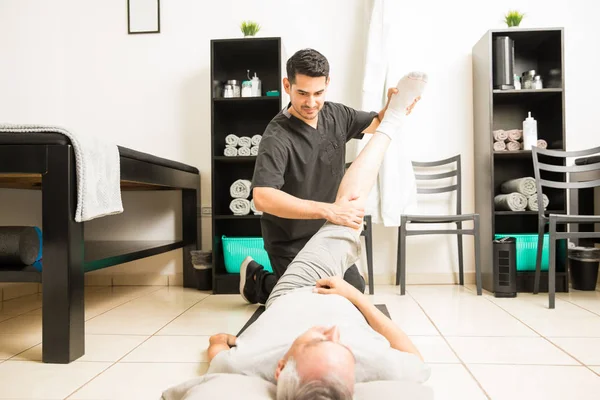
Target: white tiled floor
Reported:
[(141, 340)]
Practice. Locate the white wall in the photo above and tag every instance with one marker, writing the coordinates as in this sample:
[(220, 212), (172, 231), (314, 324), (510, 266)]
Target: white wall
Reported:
[(71, 62)]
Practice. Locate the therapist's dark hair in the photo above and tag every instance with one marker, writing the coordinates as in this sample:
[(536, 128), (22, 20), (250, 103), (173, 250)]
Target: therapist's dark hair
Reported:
[(307, 62)]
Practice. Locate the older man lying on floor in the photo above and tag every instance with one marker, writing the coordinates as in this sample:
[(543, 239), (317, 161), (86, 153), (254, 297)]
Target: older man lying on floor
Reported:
[(319, 335)]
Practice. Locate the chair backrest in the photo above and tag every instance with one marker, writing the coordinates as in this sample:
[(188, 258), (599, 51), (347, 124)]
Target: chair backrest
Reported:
[(433, 187), (558, 174)]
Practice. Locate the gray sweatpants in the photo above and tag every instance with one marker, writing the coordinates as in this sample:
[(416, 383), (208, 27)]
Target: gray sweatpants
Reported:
[(330, 252)]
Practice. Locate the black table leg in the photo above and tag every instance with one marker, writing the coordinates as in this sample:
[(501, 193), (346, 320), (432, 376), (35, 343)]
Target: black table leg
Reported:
[(190, 234), (62, 273)]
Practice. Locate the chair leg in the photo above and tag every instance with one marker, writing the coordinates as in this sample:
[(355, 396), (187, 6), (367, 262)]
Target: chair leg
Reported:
[(552, 264), (477, 255), (538, 260), (459, 240), (403, 258), (369, 246)]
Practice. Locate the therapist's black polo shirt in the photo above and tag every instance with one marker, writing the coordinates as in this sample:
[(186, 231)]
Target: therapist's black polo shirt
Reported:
[(307, 163)]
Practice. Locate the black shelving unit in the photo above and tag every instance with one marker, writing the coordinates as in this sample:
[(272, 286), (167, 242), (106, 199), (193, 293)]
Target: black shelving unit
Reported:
[(242, 116), (542, 50)]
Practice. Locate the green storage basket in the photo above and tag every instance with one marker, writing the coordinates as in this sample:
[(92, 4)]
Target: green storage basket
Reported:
[(236, 249), (527, 250)]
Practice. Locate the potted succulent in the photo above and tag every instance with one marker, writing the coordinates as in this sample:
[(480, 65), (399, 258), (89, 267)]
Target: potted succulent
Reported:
[(513, 18), (249, 28)]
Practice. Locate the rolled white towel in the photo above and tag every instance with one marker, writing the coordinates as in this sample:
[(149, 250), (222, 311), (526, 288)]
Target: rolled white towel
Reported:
[(231, 151), (253, 208), (532, 202), (510, 202), (256, 140), (245, 141), (231, 140), (542, 144), (500, 135), (244, 151), (513, 146), (240, 206), (525, 186), (514, 135), (240, 189), (499, 146), (254, 150)]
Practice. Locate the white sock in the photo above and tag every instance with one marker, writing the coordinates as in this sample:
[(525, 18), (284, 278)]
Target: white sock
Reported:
[(409, 88)]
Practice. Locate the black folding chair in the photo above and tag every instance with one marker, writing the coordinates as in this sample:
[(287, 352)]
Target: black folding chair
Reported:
[(555, 176), (458, 219)]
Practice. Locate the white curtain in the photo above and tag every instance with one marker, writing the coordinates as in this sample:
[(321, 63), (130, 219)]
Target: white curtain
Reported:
[(395, 192)]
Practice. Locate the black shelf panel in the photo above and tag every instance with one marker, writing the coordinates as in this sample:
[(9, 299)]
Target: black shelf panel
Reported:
[(100, 254), (516, 153), (97, 254), (236, 159), (20, 273), (528, 91), (245, 99), (525, 280), (238, 217), (226, 283), (514, 213)]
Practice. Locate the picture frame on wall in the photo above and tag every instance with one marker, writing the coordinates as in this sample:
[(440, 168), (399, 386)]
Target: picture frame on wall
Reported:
[(143, 16)]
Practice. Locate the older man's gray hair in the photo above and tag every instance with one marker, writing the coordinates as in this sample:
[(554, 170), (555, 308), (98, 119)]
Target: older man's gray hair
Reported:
[(291, 387)]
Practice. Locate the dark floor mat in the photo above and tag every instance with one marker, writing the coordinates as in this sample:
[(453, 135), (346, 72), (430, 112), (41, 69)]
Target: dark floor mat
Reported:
[(261, 309)]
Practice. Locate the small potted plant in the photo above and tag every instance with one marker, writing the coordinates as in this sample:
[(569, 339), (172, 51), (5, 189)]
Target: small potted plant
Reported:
[(249, 28), (513, 18)]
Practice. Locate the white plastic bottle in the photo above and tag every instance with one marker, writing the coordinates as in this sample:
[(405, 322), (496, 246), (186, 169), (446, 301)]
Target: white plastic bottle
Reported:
[(529, 132), (256, 86)]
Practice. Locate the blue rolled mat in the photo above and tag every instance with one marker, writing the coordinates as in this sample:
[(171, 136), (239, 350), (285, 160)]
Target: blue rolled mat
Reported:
[(20, 245)]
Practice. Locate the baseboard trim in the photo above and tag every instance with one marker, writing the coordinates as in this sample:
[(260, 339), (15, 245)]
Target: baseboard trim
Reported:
[(425, 278)]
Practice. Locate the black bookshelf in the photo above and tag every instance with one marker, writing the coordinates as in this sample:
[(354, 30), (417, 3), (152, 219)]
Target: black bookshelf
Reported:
[(542, 50), (242, 116)]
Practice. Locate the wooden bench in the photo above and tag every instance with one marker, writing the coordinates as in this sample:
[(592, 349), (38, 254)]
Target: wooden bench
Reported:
[(46, 162)]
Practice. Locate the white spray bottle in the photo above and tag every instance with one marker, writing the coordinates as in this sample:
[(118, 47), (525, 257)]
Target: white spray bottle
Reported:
[(256, 86), (529, 132)]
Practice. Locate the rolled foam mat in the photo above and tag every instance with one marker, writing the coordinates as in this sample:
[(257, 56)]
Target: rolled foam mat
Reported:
[(20, 245)]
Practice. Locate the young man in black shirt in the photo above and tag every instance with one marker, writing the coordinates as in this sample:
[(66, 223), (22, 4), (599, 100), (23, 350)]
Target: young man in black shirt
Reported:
[(298, 170)]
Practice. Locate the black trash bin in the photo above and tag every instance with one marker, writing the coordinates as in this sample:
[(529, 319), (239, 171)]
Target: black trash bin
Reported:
[(202, 262), (583, 267)]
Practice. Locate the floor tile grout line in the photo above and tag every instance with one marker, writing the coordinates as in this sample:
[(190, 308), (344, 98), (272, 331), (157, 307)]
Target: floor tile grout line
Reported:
[(136, 347), (449, 346), (41, 342), (577, 305), (542, 336), (126, 302)]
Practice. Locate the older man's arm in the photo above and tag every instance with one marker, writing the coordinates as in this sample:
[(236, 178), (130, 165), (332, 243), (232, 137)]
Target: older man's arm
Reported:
[(378, 320), (219, 343)]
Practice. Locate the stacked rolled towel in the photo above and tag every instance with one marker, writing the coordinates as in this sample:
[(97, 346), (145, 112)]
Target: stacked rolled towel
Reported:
[(500, 135), (240, 189), (244, 151), (513, 146), (532, 202), (525, 186), (243, 146), (514, 135), (510, 202), (541, 143), (253, 208), (245, 143), (231, 151), (499, 146), (20, 245), (240, 206), (510, 140), (232, 140)]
